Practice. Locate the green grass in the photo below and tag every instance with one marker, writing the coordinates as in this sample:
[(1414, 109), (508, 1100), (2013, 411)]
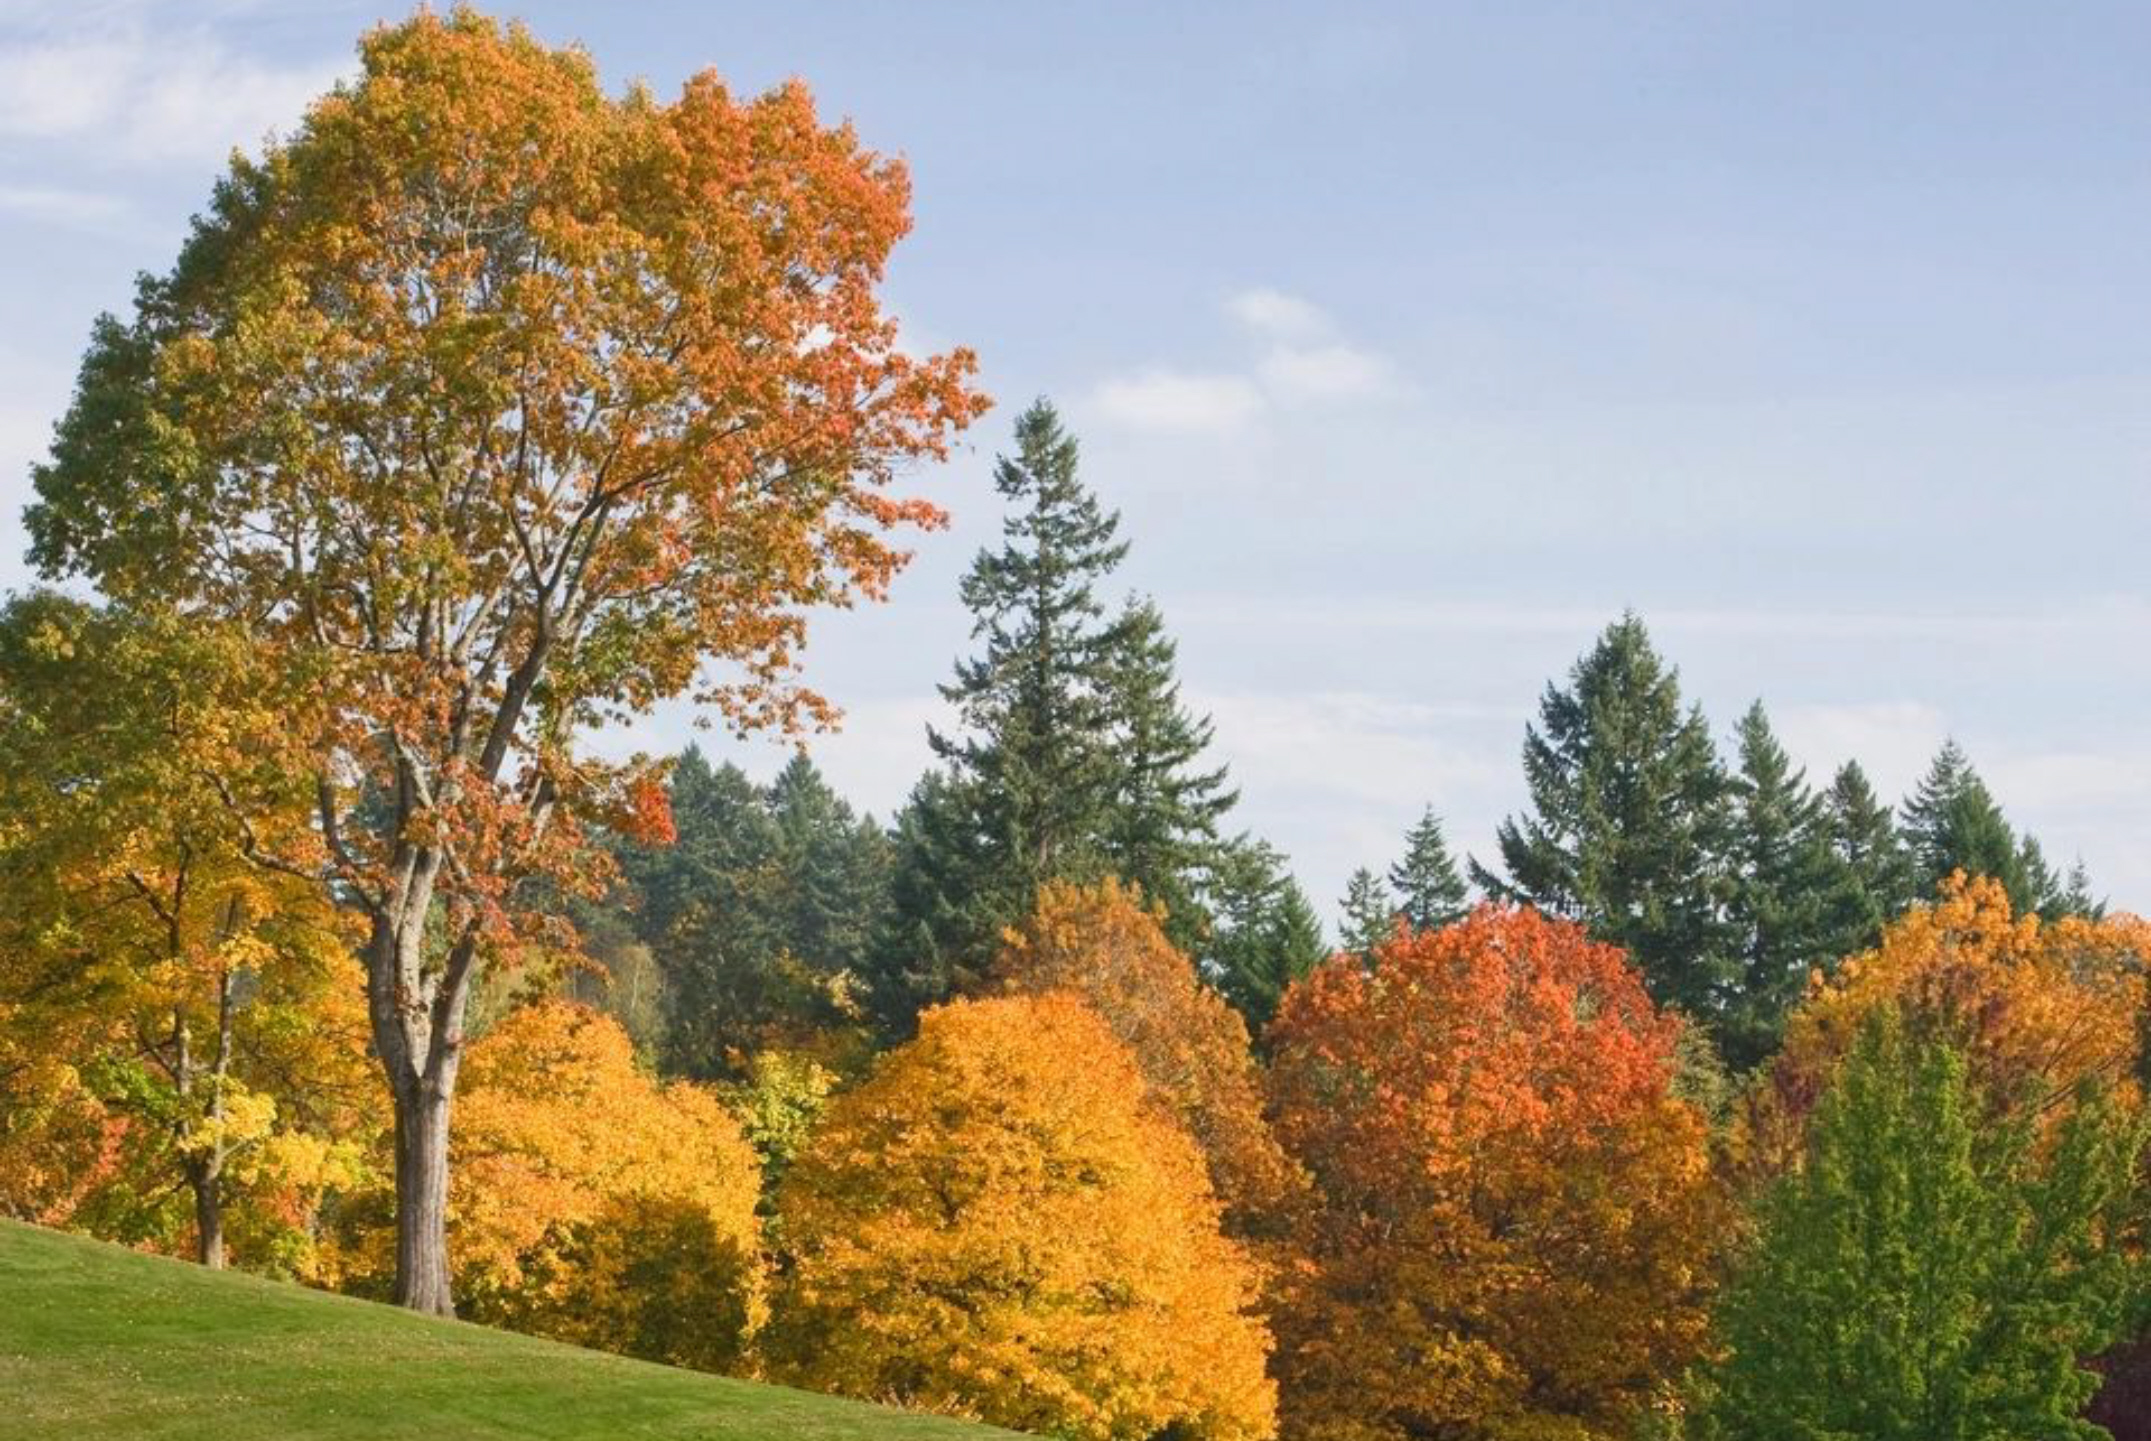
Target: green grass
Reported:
[(97, 1341)]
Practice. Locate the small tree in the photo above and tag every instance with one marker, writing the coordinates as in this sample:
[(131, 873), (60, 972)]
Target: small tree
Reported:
[(1430, 890), (501, 407), (999, 1223), (1930, 1273)]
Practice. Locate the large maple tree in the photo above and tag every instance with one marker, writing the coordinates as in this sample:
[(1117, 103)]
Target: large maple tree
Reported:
[(502, 407)]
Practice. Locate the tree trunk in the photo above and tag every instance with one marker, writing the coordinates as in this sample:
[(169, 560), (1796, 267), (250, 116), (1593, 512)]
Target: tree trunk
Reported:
[(422, 1276), (208, 1188)]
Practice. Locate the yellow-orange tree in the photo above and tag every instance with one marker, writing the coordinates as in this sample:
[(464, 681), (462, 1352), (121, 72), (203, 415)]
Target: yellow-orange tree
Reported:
[(184, 1024), (998, 1223), (591, 1203), (503, 406), (1102, 943), (1516, 1217), (2035, 1007)]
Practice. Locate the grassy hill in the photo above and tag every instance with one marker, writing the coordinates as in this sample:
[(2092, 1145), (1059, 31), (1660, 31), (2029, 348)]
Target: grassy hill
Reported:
[(96, 1340)]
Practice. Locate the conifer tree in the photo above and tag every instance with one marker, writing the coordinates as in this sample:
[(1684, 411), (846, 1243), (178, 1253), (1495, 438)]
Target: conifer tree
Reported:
[(1074, 755), (1370, 912), (1952, 823), (1628, 829), (1879, 871), (1789, 890), (1161, 824), (1430, 892), (1267, 934)]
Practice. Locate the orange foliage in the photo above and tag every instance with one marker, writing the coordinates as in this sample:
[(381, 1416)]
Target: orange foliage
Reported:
[(2034, 1006), (998, 1223), (1103, 944), (594, 1205), (1516, 1216)]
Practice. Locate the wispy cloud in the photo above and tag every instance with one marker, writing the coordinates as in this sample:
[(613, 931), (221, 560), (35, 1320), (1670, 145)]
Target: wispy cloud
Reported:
[(125, 86), (1302, 361), (1173, 400), (60, 206)]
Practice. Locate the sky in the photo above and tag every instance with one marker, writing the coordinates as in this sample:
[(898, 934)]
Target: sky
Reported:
[(1414, 343)]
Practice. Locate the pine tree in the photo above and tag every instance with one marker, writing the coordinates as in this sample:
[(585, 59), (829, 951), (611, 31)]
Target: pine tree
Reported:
[(1952, 823), (1430, 892), (1789, 891), (832, 867), (1629, 829), (1161, 825), (937, 928), (1932, 1273), (1267, 934), (1863, 835), (1031, 770), (1370, 913)]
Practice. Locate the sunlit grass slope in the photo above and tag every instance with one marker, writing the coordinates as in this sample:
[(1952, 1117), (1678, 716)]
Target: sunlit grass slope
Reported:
[(97, 1341)]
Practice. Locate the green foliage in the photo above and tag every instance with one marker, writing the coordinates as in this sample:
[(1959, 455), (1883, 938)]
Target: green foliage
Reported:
[(1430, 891), (760, 914), (1370, 913), (1933, 1272), (1074, 757), (1267, 935), (1952, 823), (1790, 892), (1630, 822), (1880, 876)]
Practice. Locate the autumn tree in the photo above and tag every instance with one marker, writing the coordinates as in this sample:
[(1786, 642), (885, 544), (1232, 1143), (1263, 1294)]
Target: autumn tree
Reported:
[(999, 1224), (589, 1202), (1930, 1272), (1106, 945), (499, 407), (1516, 1216), (1629, 822), (196, 1003), (2035, 1008), (1429, 888)]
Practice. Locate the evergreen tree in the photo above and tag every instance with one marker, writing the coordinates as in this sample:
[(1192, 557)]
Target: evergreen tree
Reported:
[(1629, 829), (1030, 773), (1161, 824), (1863, 836), (1789, 891), (1370, 912), (832, 873), (1430, 892), (1952, 823), (1267, 934), (1933, 1273), (1074, 756)]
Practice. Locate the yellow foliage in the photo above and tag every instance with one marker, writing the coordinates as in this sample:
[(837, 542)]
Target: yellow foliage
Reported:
[(999, 1224), (2035, 1007), (1103, 944), (592, 1204)]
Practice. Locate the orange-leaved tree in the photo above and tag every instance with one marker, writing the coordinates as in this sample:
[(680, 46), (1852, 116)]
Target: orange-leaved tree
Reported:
[(1104, 944), (590, 1202), (1000, 1223), (502, 407), (194, 1017), (1516, 1217), (2035, 1007)]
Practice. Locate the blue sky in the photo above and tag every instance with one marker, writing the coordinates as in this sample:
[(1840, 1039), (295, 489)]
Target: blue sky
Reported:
[(1414, 342)]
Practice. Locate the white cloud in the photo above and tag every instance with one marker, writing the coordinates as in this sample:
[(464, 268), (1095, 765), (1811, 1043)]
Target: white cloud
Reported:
[(1179, 401), (1325, 372), (133, 95), (1892, 740), (1276, 314)]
